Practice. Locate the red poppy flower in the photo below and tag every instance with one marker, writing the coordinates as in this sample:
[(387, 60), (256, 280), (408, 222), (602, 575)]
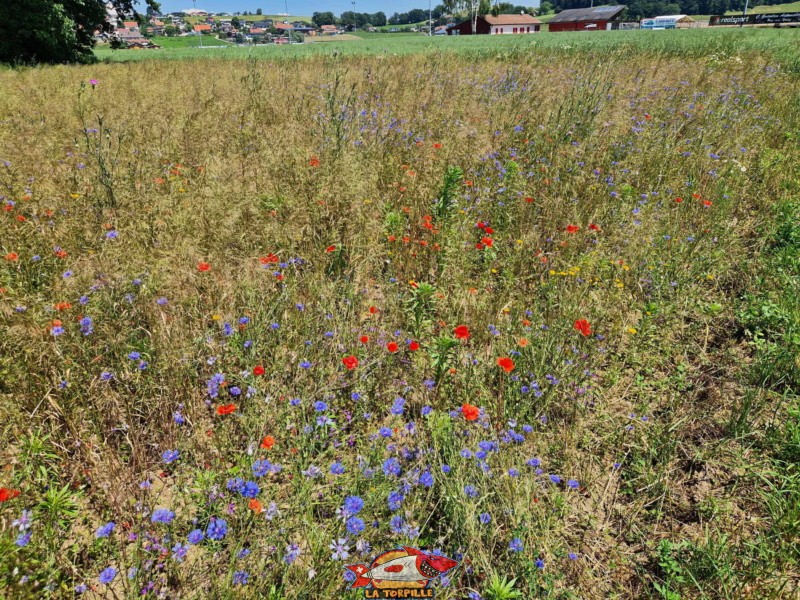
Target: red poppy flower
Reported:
[(487, 241), (481, 225), (62, 306), (573, 229), (258, 370), (529, 200), (437, 146), (12, 256), (583, 326), (313, 162), (678, 200), (351, 362), (392, 347), (61, 253), (470, 412), (707, 203), (506, 364), (7, 494), (413, 346), (461, 332), (594, 227), (203, 267), (488, 230), (226, 409), (268, 442), (330, 248), (373, 309), (255, 505), (268, 259)]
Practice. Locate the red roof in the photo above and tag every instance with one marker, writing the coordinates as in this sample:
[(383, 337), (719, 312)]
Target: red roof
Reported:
[(512, 20), (257, 30), (283, 26), (130, 24), (202, 27)]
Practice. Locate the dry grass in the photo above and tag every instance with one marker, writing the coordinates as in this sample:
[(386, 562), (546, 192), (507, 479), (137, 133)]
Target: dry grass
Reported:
[(338, 162)]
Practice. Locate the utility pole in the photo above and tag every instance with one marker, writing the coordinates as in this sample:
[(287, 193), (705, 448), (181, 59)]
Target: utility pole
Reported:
[(746, 3), (200, 33), (430, 20), (354, 14)]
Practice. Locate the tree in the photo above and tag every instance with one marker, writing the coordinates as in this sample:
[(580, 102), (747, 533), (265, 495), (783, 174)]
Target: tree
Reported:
[(323, 18), (62, 31), (378, 19), (235, 22), (259, 12)]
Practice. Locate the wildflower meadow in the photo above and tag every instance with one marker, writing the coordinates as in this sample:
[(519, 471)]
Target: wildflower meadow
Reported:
[(536, 312)]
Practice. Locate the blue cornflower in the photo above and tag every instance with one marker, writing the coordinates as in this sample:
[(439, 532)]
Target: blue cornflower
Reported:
[(395, 500), (573, 484), (305, 365), (355, 525), (250, 489), (385, 432), (134, 355), (241, 578), (484, 518), (262, 467), (106, 376), (292, 552), (426, 479), (339, 548), (169, 456), (105, 530), (107, 575), (235, 390), (446, 469), (513, 473), (320, 406), (353, 505), (162, 301), (470, 491), (179, 551), (426, 410), (195, 536), (391, 466), (555, 478), (337, 468), (87, 327), (398, 406), (23, 539), (217, 528), (539, 563), (396, 524), (57, 330), (235, 485), (162, 515), (515, 545)]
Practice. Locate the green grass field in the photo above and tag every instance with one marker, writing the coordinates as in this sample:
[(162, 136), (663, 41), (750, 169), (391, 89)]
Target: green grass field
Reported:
[(783, 44), (532, 304)]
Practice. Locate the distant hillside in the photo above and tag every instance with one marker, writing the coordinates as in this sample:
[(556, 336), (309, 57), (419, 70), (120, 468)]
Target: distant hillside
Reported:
[(279, 18)]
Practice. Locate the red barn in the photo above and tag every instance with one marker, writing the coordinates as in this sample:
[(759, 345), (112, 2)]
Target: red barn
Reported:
[(501, 24), (598, 18)]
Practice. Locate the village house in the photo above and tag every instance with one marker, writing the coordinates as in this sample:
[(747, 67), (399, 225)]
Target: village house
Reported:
[(329, 29), (501, 24)]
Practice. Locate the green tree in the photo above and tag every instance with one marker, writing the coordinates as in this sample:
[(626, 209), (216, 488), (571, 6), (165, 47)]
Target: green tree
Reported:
[(235, 22), (60, 31), (323, 18), (259, 12)]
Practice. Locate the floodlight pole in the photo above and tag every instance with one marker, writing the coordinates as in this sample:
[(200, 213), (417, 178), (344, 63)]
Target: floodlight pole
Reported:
[(354, 15), (430, 20), (746, 3)]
